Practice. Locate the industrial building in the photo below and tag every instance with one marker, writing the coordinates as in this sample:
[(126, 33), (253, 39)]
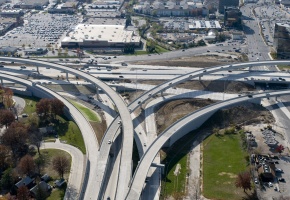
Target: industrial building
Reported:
[(227, 3), (87, 35), (282, 40)]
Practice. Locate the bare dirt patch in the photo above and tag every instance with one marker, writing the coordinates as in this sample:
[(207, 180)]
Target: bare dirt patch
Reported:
[(172, 111), (244, 114), (194, 61), (214, 86)]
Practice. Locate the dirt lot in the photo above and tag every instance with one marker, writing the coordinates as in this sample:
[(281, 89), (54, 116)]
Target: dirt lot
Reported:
[(245, 114), (194, 61), (215, 86)]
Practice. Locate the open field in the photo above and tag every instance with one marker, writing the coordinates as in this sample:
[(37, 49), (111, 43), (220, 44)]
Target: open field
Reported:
[(220, 171)]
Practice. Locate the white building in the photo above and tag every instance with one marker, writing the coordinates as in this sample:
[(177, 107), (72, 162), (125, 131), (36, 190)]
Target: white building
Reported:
[(201, 24), (86, 35)]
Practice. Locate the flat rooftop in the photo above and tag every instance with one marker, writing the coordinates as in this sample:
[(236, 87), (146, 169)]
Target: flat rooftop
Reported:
[(110, 33)]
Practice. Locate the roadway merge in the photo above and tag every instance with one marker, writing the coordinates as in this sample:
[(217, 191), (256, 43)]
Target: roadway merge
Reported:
[(178, 130), (95, 182)]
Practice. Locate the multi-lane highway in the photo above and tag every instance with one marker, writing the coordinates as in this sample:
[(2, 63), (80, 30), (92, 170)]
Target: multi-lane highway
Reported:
[(127, 129), (179, 129), (76, 182)]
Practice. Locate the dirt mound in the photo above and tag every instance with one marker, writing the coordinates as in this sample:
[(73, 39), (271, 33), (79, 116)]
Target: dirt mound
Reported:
[(245, 114), (170, 112)]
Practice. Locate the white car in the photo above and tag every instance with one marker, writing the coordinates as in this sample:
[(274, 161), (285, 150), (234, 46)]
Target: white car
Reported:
[(270, 184)]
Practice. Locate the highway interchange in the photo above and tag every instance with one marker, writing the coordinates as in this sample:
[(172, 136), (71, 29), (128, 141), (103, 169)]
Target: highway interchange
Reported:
[(97, 180), (147, 95)]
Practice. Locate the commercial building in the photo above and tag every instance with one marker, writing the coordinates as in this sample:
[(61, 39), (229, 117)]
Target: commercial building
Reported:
[(8, 50), (201, 24), (86, 35), (32, 4), (7, 24), (232, 17), (227, 3), (35, 51), (171, 8), (282, 40), (15, 13)]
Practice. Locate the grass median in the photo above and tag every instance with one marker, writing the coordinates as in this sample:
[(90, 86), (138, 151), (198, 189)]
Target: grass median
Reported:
[(89, 114)]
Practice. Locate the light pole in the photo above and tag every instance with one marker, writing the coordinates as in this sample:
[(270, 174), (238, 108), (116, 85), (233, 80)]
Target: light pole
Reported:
[(136, 79)]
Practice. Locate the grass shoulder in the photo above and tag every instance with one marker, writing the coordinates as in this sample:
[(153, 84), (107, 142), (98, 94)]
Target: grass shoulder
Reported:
[(89, 114)]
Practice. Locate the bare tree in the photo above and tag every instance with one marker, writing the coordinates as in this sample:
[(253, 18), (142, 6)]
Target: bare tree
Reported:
[(61, 165), (6, 117), (36, 139), (23, 193), (26, 165), (244, 181)]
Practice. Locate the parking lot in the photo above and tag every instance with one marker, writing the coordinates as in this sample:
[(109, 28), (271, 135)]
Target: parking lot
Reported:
[(39, 30)]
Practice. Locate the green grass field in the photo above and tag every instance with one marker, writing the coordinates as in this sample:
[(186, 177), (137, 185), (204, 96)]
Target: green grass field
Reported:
[(89, 114), (224, 158), (30, 106), (70, 132)]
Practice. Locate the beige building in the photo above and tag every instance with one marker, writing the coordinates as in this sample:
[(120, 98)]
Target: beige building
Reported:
[(86, 35)]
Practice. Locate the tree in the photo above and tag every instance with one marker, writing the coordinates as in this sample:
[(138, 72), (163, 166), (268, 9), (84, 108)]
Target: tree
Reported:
[(15, 137), (8, 97), (23, 193), (43, 107), (4, 157), (7, 179), (61, 165), (244, 181), (40, 162), (6, 117), (280, 149), (36, 139), (56, 106), (26, 165)]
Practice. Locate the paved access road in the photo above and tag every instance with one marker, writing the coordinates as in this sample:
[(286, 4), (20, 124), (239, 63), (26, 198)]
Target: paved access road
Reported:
[(76, 170)]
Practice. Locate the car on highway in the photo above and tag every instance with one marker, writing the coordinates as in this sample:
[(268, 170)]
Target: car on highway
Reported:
[(1, 66), (109, 142), (278, 170), (22, 67)]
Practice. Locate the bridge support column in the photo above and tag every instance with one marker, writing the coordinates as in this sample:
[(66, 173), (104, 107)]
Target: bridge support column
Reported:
[(276, 98), (160, 166), (199, 78), (66, 76), (97, 92), (37, 69), (2, 82), (161, 93)]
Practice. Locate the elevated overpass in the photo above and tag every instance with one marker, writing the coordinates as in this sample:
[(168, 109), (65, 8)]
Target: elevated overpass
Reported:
[(127, 130), (181, 128), (199, 73), (72, 112)]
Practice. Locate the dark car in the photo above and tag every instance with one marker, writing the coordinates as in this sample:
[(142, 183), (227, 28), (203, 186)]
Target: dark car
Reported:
[(281, 179)]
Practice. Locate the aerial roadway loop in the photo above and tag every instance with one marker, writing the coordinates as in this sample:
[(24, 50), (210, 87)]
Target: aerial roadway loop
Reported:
[(125, 117), (182, 126)]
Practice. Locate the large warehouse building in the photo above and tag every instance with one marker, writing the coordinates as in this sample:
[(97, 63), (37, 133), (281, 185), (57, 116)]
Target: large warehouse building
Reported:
[(87, 35)]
